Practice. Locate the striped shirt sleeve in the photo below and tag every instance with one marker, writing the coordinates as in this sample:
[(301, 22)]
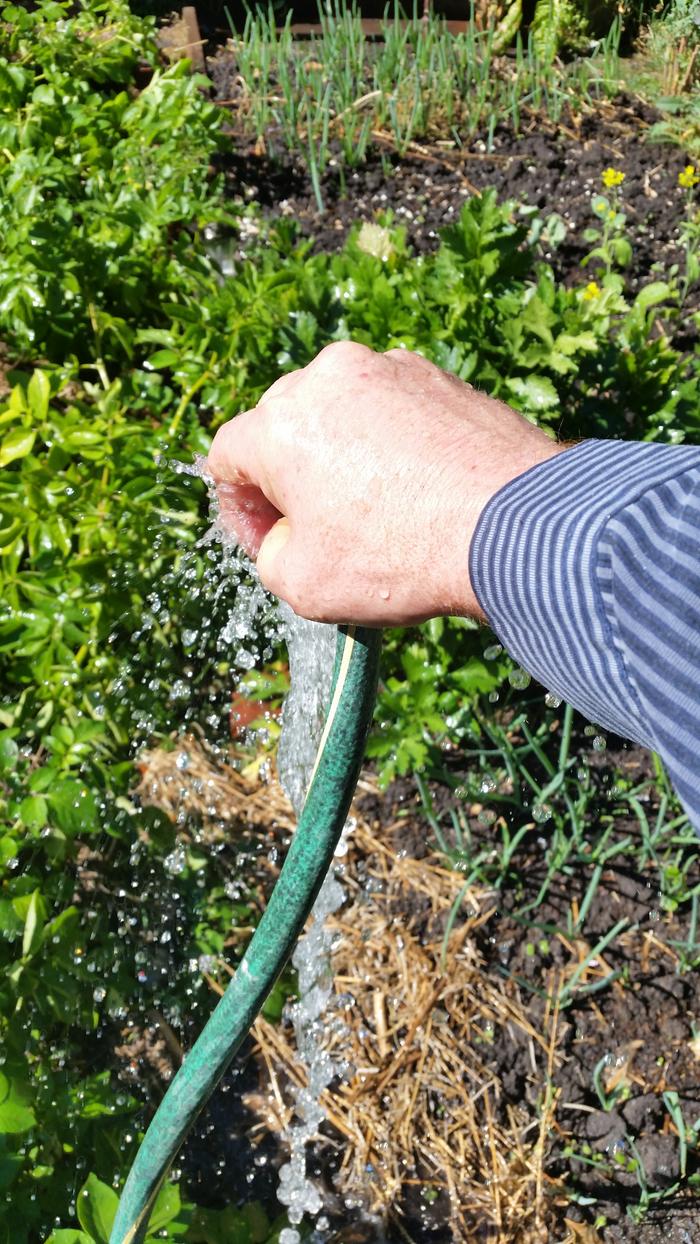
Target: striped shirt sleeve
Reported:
[(588, 570)]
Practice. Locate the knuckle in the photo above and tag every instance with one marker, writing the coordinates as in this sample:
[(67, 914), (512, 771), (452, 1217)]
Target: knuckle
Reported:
[(295, 596), (218, 458), (282, 386), (343, 353)]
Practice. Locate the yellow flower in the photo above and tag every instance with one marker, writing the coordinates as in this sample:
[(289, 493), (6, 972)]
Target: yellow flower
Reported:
[(591, 291), (612, 177), (688, 178)]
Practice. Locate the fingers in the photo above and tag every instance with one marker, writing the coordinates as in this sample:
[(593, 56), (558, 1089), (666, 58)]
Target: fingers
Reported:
[(241, 467), (234, 456), (246, 513), (271, 557)]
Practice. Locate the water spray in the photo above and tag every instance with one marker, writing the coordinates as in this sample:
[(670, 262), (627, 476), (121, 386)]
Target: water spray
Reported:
[(324, 813)]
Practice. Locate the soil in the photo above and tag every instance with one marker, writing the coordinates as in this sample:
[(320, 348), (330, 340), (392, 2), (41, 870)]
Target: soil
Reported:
[(644, 1024)]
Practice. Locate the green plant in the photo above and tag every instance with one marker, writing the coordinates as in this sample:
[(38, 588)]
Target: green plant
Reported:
[(672, 41), (557, 24), (612, 247), (418, 81), (102, 188)]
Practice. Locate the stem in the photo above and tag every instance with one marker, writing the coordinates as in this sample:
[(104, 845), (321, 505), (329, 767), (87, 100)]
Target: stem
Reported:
[(188, 395), (99, 361)]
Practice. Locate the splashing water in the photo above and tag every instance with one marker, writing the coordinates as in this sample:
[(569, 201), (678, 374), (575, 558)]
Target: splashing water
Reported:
[(311, 651), (254, 611)]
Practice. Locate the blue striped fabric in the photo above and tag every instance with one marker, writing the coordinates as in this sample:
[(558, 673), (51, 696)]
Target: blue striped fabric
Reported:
[(588, 570)]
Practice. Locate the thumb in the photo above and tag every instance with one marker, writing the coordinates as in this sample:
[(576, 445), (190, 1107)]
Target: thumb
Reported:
[(270, 559)]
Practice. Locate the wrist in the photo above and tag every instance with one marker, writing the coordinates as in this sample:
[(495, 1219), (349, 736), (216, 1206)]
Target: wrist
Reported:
[(482, 488)]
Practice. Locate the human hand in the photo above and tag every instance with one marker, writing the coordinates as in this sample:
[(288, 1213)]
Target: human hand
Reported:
[(357, 482)]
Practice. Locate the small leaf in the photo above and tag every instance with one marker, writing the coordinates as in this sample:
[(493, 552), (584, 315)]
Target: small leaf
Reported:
[(655, 292), (10, 1167), (97, 1207), (38, 394), (9, 752), (81, 438), (16, 444), (33, 924), (69, 1236), (73, 806), (166, 1208), (15, 1115), (568, 343), (33, 812), (534, 392), (162, 358)]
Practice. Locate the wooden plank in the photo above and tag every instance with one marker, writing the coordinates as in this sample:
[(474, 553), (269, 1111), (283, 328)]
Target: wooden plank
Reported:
[(195, 43), (370, 26), (181, 40)]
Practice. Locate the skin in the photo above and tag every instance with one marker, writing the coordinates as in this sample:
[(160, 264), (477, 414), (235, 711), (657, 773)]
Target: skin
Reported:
[(356, 484)]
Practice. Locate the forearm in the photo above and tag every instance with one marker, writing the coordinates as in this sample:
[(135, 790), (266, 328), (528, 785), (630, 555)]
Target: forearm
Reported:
[(587, 569)]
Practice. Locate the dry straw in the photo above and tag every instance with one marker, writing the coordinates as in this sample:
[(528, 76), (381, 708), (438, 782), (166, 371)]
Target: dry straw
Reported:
[(424, 1111)]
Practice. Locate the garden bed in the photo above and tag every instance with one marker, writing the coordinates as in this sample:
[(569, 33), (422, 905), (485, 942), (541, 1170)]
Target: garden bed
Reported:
[(504, 1070), (573, 927), (555, 168)]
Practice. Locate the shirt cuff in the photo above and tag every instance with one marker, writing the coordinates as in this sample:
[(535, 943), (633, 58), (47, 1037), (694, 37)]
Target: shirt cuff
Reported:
[(534, 566)]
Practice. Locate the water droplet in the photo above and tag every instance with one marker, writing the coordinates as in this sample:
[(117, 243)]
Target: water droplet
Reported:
[(493, 651), (520, 679), (175, 862), (541, 812)]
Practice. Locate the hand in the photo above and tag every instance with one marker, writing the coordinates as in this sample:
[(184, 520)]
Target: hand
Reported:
[(357, 483)]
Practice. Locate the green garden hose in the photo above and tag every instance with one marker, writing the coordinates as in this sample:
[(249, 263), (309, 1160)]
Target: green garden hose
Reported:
[(324, 813)]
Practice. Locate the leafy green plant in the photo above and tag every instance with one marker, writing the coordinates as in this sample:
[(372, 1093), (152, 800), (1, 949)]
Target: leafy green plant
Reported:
[(97, 1204), (102, 188), (485, 307)]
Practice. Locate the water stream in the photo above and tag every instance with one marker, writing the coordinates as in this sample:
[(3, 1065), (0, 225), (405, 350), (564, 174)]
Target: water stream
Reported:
[(311, 652), (311, 649)]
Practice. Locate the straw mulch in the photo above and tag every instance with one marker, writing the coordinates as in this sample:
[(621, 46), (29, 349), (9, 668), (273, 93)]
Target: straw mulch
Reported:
[(424, 1109), (211, 790)]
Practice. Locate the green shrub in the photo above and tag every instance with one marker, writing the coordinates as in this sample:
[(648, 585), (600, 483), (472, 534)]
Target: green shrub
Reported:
[(102, 187)]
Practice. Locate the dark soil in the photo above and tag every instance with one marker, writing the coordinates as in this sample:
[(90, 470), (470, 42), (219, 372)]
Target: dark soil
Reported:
[(553, 168)]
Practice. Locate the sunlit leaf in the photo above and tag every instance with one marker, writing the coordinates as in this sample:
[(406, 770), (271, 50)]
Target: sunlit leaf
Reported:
[(16, 1116), (16, 444), (97, 1206)]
